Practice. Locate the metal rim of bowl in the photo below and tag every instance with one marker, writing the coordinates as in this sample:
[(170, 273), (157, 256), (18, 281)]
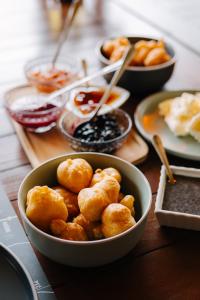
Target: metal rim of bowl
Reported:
[(121, 137), (106, 61), (84, 243)]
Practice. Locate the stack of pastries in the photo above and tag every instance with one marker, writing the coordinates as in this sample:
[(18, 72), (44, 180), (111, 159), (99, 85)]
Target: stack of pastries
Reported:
[(146, 53), (84, 205)]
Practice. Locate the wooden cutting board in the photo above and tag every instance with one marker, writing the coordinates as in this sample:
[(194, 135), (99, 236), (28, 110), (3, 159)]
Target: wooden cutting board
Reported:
[(41, 147)]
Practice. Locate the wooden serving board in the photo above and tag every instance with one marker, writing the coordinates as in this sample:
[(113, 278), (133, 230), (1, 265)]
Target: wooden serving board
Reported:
[(41, 147)]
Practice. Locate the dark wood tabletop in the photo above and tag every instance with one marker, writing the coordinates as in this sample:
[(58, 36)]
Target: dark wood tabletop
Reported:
[(166, 262)]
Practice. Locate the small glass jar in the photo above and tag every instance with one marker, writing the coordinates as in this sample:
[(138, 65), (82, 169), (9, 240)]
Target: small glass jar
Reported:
[(32, 109), (48, 78)]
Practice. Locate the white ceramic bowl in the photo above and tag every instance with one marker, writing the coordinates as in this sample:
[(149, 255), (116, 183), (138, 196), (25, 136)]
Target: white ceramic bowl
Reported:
[(90, 253), (173, 218)]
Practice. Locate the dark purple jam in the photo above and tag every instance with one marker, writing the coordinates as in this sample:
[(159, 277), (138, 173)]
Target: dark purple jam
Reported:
[(102, 129), (183, 196)]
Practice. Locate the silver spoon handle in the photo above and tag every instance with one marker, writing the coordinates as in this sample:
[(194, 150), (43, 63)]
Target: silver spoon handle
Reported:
[(81, 81), (158, 145), (85, 70), (116, 77), (66, 28)]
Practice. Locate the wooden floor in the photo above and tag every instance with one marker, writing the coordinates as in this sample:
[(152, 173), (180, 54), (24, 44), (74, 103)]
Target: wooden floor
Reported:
[(166, 262)]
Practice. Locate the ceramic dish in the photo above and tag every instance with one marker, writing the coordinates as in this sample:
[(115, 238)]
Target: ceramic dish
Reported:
[(171, 217), (121, 99), (90, 253), (31, 109), (141, 80), (148, 122), (15, 281)]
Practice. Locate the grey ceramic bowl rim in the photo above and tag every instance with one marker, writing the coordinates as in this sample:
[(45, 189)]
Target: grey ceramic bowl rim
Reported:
[(93, 144), (106, 61), (83, 243)]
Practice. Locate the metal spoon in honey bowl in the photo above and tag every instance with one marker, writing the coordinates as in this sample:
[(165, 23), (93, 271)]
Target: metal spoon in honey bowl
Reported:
[(79, 122), (158, 145)]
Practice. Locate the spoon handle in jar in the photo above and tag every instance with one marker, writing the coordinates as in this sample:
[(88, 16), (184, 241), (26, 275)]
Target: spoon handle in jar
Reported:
[(101, 72), (158, 145), (116, 77), (66, 28)]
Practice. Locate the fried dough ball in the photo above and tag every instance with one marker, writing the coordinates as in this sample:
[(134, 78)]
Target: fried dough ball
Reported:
[(116, 218), (118, 53), (43, 205), (70, 199), (93, 229), (120, 197), (147, 53), (139, 56), (128, 201), (156, 56), (111, 186), (74, 174), (101, 174), (92, 202), (68, 231), (110, 46)]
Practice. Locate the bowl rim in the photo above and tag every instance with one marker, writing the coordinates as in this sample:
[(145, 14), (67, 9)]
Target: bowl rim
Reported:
[(83, 243), (25, 86), (106, 61), (72, 138)]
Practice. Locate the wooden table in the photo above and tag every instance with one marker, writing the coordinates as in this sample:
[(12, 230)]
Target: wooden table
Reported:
[(166, 262)]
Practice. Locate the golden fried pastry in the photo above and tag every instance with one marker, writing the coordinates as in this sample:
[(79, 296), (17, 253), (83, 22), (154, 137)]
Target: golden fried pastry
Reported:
[(139, 56), (97, 232), (111, 186), (101, 174), (147, 53), (92, 202), (120, 197), (70, 199), (118, 53), (128, 201), (156, 56), (68, 231), (116, 218), (43, 205), (110, 46), (93, 229), (74, 174)]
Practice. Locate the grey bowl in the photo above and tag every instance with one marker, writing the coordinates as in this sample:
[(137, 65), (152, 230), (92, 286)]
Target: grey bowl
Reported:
[(141, 80), (91, 253)]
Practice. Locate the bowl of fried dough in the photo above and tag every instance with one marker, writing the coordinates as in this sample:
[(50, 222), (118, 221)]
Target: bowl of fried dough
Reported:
[(84, 209), (151, 66)]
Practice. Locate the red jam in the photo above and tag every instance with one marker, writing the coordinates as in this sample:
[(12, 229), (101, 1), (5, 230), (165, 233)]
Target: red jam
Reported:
[(35, 114), (87, 101)]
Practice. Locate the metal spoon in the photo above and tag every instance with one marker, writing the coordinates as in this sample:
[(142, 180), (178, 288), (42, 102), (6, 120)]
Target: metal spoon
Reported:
[(101, 72), (85, 70), (79, 122), (66, 28), (158, 145), (116, 77)]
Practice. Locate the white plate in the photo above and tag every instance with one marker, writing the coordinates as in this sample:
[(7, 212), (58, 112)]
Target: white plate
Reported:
[(149, 122), (123, 97)]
